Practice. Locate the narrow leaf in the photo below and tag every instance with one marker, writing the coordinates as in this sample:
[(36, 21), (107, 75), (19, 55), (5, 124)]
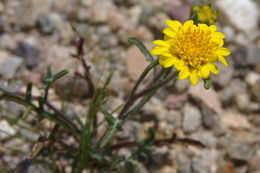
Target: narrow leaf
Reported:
[(142, 48), (28, 96)]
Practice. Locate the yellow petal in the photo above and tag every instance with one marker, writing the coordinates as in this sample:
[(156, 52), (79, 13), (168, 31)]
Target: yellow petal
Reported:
[(158, 50), (223, 60), (184, 74), (204, 71), (169, 32), (194, 77), (166, 61), (179, 65), (218, 35), (161, 43), (188, 24), (174, 24), (202, 26), (213, 68), (213, 28), (223, 51)]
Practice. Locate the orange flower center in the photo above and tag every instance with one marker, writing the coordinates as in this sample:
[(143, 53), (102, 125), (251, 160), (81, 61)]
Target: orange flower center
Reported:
[(194, 46)]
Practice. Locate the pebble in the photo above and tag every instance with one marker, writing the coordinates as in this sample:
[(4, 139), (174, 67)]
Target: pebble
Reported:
[(246, 55), (9, 66), (136, 61), (208, 97), (243, 101), (226, 167), (225, 74), (29, 52), (256, 91), (45, 24), (227, 95), (6, 129), (7, 42), (252, 78), (206, 138), (191, 118), (210, 119), (229, 32), (246, 12), (253, 164), (234, 120)]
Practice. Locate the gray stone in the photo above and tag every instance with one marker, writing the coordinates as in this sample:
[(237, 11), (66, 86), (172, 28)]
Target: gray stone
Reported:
[(6, 129), (227, 95), (256, 91), (29, 52), (246, 13), (185, 169), (205, 162), (9, 66), (246, 55), (253, 164), (210, 118), (206, 138), (241, 149), (28, 11), (225, 74), (7, 42), (45, 24), (191, 118)]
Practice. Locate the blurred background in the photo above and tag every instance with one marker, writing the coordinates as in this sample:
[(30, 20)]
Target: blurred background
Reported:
[(226, 118)]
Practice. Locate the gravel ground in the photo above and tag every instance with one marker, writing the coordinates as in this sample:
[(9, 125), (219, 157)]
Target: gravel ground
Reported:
[(226, 118)]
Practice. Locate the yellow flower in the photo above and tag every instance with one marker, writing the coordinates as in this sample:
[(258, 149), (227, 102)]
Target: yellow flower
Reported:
[(205, 14), (191, 49)]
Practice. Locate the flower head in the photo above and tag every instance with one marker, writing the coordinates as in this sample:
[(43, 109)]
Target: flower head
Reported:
[(191, 49), (205, 14)]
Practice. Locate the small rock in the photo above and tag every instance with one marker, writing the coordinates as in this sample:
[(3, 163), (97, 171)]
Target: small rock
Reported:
[(136, 61), (175, 101), (9, 66), (45, 24), (253, 164), (210, 119), (246, 55), (4, 26), (191, 118), (29, 52), (207, 97), (83, 14), (28, 11), (234, 120), (7, 42), (227, 95), (246, 12), (134, 14), (226, 167), (181, 85), (60, 58), (180, 12), (243, 101), (240, 150), (225, 75), (205, 162), (101, 16), (185, 169), (157, 21), (6, 129), (206, 138), (256, 91), (252, 78), (229, 32)]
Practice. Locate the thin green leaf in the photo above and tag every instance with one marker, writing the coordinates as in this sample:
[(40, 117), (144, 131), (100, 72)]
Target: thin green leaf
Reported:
[(28, 96), (142, 48)]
